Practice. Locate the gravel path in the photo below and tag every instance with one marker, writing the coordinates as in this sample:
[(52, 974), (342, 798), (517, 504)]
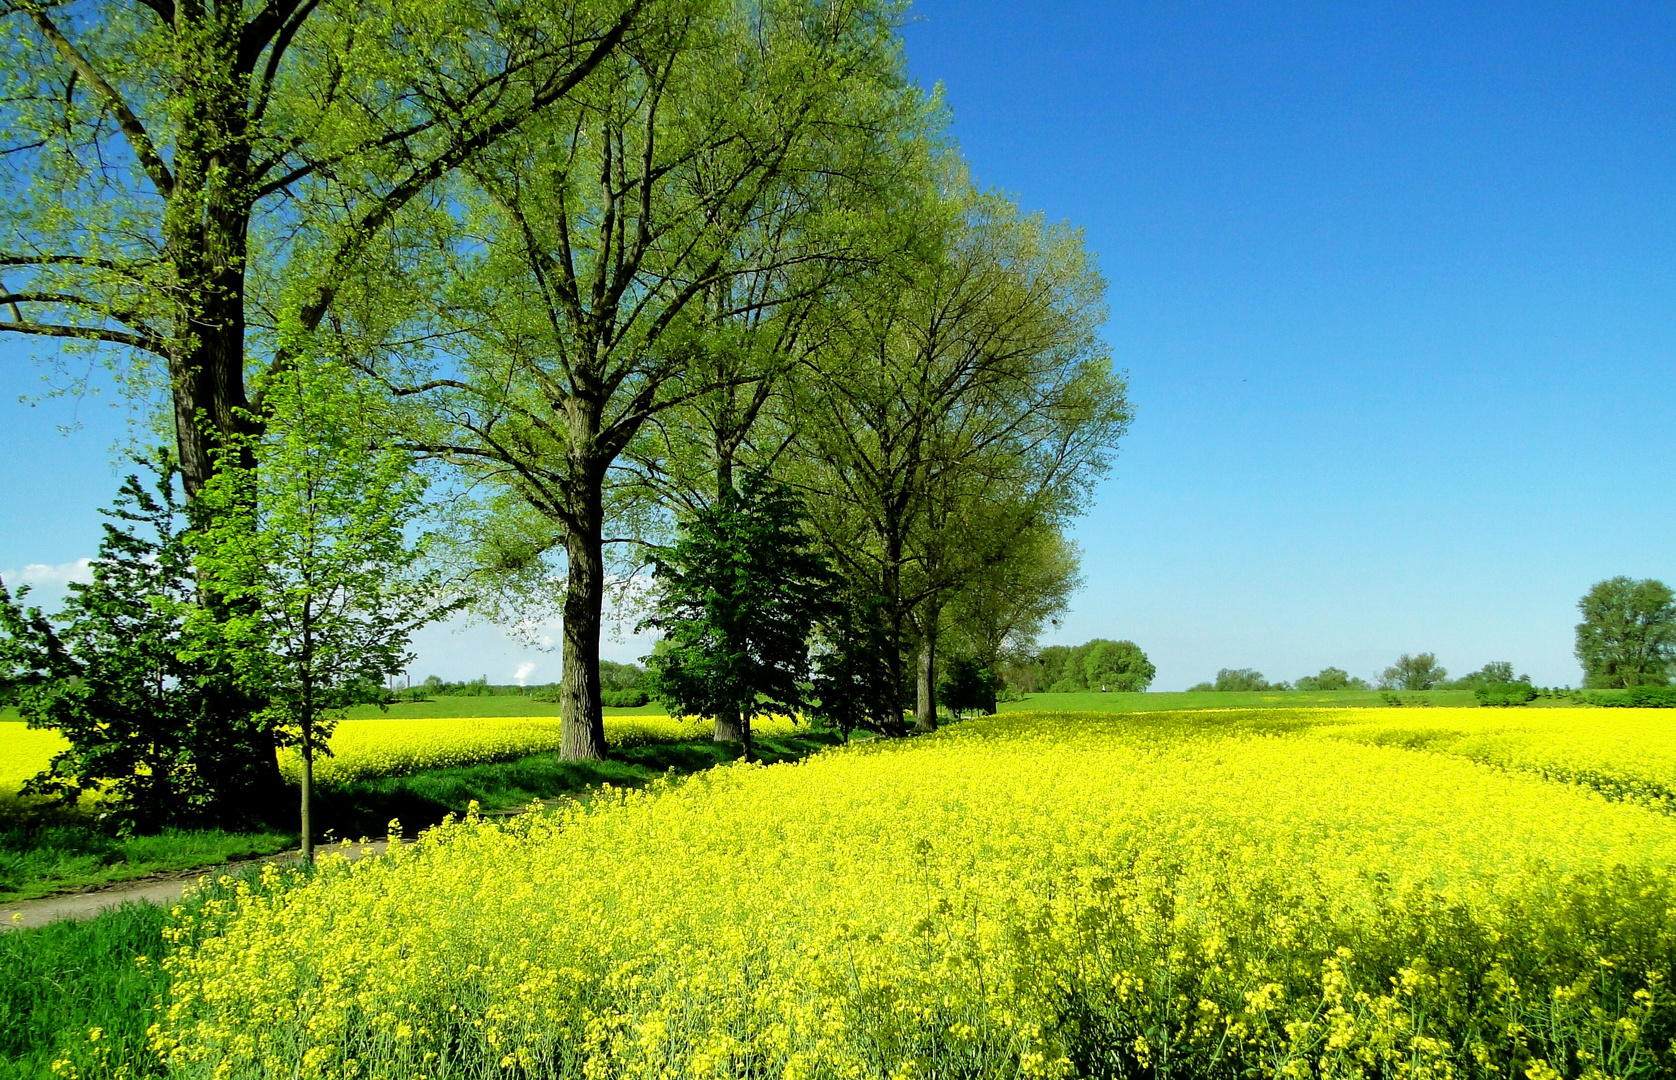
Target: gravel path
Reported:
[(156, 889)]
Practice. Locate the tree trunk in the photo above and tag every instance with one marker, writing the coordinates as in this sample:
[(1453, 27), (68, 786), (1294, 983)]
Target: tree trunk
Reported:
[(584, 598), (308, 797), (925, 712), (730, 729)]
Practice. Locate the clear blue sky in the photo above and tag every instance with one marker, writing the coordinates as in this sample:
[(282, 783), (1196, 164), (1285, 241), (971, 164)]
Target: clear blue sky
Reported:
[(1395, 286)]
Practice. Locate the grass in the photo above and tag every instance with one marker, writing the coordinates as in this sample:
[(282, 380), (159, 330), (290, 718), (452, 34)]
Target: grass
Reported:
[(65, 853), (68, 979), (497, 705), (64, 979)]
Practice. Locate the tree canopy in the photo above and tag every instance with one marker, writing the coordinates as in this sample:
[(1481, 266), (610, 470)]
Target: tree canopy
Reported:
[(1628, 633)]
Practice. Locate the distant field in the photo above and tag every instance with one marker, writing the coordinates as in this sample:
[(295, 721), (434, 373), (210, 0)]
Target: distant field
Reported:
[(452, 707), (1256, 699)]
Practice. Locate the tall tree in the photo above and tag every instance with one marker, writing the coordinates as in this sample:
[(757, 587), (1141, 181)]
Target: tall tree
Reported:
[(1628, 633), (594, 240), (324, 585), (964, 382), (177, 171)]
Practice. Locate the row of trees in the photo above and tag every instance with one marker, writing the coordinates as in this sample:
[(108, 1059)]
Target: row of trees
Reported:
[(1094, 665), (595, 279)]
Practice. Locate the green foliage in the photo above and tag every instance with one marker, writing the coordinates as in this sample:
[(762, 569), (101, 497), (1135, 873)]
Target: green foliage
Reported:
[(1628, 634), (1331, 678), (163, 730), (857, 684), (967, 687), (1234, 680), (1418, 672), (1495, 673), (739, 595), (310, 557), (1505, 694), (1638, 697), (623, 699), (1115, 666)]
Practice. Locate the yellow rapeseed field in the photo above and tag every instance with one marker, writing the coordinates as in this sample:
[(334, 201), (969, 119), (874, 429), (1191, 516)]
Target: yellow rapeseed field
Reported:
[(1186, 895), (364, 749), (23, 753)]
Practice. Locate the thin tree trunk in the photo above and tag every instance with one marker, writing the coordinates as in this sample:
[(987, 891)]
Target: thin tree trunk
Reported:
[(308, 796), (584, 724), (925, 712)]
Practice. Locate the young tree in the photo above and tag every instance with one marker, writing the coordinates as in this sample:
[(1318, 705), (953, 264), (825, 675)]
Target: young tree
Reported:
[(1628, 633), (313, 556), (739, 595), (968, 687), (1418, 672), (159, 733), (177, 171), (593, 242)]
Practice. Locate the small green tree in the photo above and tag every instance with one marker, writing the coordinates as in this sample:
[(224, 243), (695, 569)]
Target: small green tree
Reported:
[(968, 687), (739, 595), (857, 684), (322, 584), (1116, 666), (165, 737), (1418, 672), (1628, 633)]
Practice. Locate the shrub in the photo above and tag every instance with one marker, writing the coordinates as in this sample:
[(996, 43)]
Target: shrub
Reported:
[(623, 699), (1505, 694)]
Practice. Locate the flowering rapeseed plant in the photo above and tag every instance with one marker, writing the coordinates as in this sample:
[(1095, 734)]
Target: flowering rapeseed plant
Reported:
[(1028, 895)]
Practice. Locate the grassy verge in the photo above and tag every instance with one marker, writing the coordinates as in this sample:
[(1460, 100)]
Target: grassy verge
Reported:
[(65, 979), (66, 853)]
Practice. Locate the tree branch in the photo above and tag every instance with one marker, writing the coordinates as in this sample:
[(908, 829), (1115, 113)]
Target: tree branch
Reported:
[(138, 139)]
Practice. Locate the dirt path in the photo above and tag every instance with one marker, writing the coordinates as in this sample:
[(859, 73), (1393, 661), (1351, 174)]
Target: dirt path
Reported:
[(156, 889)]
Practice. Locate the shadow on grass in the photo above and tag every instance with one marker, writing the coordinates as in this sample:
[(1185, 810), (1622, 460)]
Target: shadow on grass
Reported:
[(365, 808)]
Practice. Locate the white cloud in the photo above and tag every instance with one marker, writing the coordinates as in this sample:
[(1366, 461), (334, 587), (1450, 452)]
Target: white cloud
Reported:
[(44, 574), (525, 670)]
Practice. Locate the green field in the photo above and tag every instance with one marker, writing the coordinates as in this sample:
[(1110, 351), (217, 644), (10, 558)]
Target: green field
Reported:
[(487, 705), (1242, 699)]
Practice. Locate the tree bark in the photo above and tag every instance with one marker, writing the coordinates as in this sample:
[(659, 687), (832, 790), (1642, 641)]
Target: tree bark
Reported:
[(730, 729), (925, 712), (308, 796), (584, 724)]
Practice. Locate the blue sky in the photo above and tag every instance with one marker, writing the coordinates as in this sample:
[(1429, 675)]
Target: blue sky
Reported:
[(1395, 287)]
